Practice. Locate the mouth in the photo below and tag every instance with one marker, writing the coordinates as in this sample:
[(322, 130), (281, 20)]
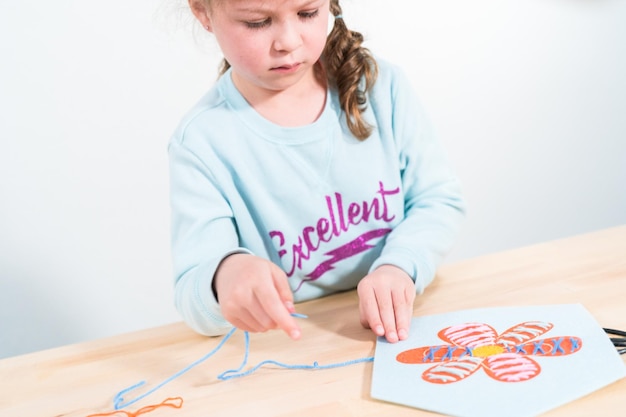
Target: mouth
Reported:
[(287, 67)]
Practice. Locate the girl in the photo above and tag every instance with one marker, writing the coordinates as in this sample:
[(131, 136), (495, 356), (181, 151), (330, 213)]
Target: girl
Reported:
[(308, 169)]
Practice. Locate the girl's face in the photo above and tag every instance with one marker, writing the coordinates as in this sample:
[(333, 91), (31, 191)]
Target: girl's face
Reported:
[(270, 44)]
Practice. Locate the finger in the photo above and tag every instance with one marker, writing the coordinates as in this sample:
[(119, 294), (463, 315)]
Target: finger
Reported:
[(276, 310), (368, 307), (263, 314), (387, 315), (283, 288), (282, 285), (403, 309), (246, 321), (286, 295), (290, 307), (363, 317), (253, 313)]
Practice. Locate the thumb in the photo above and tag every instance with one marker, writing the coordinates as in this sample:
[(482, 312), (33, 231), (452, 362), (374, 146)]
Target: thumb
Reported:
[(285, 295), (281, 284)]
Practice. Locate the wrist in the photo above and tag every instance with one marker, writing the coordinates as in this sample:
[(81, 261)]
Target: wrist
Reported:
[(389, 269), (222, 266)]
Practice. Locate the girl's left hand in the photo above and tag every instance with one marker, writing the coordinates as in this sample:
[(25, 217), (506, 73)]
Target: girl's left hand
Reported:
[(386, 299)]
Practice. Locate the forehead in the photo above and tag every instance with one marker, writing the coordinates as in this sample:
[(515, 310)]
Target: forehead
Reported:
[(267, 5)]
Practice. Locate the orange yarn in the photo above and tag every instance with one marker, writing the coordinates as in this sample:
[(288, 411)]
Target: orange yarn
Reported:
[(176, 402)]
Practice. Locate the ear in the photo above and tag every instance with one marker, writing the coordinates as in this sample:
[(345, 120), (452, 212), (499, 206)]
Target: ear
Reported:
[(199, 10)]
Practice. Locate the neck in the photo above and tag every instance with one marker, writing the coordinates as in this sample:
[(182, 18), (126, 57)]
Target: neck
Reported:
[(298, 105)]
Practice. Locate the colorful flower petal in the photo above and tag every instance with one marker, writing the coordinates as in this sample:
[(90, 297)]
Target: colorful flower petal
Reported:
[(429, 354), (551, 346), (469, 335), (511, 367), (524, 332), (454, 371)]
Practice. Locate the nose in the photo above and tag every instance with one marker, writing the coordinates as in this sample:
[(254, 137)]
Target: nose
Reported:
[(287, 37)]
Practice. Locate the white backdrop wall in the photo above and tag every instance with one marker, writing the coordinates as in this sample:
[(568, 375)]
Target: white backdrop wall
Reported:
[(528, 96)]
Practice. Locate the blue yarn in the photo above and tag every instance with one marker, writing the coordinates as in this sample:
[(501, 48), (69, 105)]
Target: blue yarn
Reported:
[(236, 373), (118, 400)]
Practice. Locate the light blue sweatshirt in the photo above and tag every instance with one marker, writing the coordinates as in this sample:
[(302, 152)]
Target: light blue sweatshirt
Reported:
[(324, 206)]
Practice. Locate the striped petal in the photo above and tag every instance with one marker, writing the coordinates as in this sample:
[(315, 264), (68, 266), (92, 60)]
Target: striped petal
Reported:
[(510, 367), (524, 332), (469, 335), (454, 371)]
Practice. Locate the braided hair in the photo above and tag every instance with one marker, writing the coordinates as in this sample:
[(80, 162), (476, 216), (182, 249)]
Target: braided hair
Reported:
[(351, 69)]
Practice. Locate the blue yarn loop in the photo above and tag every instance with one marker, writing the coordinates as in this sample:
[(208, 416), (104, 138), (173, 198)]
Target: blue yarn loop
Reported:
[(120, 402)]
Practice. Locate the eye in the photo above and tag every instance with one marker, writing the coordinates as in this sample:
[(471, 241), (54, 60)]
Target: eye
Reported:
[(258, 24), (309, 14)]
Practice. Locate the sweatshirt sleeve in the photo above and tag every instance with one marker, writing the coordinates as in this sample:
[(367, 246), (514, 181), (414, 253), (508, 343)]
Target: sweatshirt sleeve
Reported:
[(203, 233), (433, 203)]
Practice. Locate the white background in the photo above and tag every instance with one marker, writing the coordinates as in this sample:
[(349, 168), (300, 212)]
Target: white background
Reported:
[(528, 96)]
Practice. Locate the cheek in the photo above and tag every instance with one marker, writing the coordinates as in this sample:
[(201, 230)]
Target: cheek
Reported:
[(247, 63), (240, 50), (318, 37)]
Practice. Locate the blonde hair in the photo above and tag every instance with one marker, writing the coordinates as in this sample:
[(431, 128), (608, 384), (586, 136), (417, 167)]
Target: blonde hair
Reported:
[(349, 68)]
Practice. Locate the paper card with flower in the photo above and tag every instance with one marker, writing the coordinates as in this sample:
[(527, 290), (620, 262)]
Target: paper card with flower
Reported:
[(513, 361)]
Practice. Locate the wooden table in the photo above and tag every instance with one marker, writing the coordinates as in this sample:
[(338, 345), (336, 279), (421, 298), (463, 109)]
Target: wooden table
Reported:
[(82, 379)]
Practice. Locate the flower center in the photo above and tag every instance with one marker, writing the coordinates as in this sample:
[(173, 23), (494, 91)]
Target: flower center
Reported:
[(486, 351)]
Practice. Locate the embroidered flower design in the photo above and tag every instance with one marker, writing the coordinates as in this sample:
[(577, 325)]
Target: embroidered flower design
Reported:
[(504, 357)]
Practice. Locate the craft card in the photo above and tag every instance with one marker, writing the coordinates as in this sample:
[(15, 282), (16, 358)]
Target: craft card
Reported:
[(512, 361)]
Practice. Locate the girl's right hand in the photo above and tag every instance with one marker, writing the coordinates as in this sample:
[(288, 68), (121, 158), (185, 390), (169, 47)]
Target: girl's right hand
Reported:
[(254, 295)]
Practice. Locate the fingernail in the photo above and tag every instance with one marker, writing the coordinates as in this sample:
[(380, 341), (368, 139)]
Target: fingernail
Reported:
[(290, 307), (379, 330), (402, 334), (392, 337), (295, 334)]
